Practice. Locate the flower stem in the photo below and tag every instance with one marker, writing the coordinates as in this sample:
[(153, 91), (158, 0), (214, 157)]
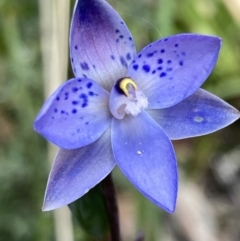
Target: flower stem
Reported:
[(112, 207)]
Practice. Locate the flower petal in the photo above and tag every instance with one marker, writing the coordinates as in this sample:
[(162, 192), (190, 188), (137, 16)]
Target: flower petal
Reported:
[(101, 45), (75, 115), (76, 171), (171, 69), (146, 156), (200, 114)]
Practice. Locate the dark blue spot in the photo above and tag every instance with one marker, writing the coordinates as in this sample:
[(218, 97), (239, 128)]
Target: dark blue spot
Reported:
[(55, 110), (94, 66), (72, 60), (176, 45), (89, 85), (181, 63), (90, 93), (79, 80), (160, 61), (112, 57), (74, 89), (84, 97), (121, 36), (162, 51), (76, 47), (130, 38), (62, 111), (75, 102), (160, 68), (123, 62), (74, 70), (85, 76), (146, 68), (166, 39), (139, 56), (169, 61), (86, 123), (154, 71), (74, 111), (150, 55), (122, 22), (183, 53), (163, 74), (58, 98), (128, 56), (117, 31), (84, 66), (135, 66)]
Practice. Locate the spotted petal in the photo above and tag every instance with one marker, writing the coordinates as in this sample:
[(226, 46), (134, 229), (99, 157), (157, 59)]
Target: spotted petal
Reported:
[(200, 114), (171, 69), (101, 45), (75, 115), (146, 156), (76, 171)]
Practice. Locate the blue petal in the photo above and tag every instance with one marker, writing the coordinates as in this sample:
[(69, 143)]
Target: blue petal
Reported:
[(200, 114), (75, 115), (76, 171), (146, 156), (101, 45), (171, 69)]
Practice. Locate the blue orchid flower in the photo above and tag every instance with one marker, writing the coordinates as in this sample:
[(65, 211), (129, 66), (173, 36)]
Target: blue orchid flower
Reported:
[(123, 108)]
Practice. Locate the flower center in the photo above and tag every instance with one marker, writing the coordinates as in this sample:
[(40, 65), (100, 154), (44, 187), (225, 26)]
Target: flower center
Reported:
[(126, 98)]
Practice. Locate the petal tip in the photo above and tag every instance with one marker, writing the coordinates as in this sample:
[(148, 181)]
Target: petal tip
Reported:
[(237, 114), (218, 39), (170, 209), (49, 206), (169, 206), (46, 207), (216, 43), (35, 126)]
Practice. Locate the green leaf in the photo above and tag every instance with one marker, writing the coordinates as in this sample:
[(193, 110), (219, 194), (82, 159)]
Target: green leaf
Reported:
[(90, 212), (226, 89)]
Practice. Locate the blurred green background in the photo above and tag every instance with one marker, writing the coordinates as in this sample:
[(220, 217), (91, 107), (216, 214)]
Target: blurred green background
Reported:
[(208, 205)]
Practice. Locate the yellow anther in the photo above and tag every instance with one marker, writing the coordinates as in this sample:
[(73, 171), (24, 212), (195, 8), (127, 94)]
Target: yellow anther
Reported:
[(124, 84)]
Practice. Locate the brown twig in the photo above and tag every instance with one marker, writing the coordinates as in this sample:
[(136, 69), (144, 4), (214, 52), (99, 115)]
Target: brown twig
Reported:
[(112, 207)]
